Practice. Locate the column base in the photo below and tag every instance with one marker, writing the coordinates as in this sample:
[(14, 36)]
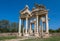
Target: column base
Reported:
[(36, 34), (31, 32), (26, 34), (46, 35), (19, 34)]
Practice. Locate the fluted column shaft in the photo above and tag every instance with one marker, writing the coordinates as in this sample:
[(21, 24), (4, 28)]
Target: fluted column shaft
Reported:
[(47, 29), (23, 27), (42, 29), (30, 27), (19, 27), (26, 25), (35, 28), (37, 23)]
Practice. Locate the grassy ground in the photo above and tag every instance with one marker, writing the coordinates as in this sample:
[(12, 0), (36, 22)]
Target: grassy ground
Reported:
[(8, 37), (55, 38)]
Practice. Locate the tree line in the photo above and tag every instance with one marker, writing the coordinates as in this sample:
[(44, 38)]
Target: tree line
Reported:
[(7, 26), (54, 31)]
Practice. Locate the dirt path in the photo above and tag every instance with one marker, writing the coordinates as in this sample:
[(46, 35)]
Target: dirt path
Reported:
[(13, 40)]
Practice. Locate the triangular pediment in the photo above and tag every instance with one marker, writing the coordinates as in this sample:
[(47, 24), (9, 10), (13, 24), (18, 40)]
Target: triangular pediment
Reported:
[(26, 10)]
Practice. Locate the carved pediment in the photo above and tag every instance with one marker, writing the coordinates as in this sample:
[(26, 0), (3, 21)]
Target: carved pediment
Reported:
[(26, 10)]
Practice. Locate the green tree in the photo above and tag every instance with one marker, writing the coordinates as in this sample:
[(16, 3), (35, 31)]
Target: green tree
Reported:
[(4, 25), (14, 27)]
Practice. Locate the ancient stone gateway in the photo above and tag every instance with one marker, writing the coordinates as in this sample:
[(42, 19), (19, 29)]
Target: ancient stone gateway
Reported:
[(38, 16)]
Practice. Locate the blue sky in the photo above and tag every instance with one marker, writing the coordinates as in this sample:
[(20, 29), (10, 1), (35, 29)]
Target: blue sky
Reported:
[(9, 10)]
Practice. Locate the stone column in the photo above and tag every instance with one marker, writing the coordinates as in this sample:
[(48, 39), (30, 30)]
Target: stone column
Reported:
[(19, 27), (26, 25), (39, 26), (47, 29), (23, 31), (30, 28), (35, 28), (42, 31), (23, 27), (37, 23)]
